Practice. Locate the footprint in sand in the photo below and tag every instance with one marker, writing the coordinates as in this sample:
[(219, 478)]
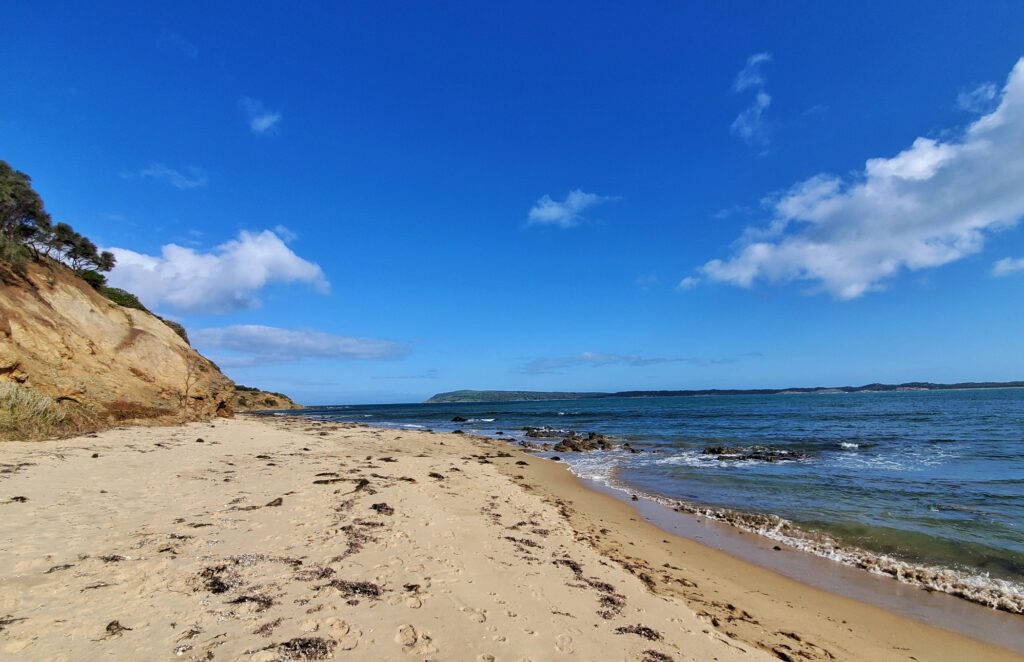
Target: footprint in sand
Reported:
[(563, 644), (412, 641), (346, 637)]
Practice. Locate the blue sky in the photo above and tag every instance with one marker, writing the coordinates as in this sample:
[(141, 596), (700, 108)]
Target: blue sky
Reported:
[(378, 201)]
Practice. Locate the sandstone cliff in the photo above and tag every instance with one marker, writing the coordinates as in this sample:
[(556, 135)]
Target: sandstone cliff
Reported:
[(248, 398), (72, 360)]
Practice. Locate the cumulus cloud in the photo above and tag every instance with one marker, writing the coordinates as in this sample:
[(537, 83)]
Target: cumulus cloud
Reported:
[(260, 118), (546, 365), (1007, 266), (567, 213), (225, 279), (979, 100), (688, 283), (251, 344), (929, 205), (749, 124), (184, 179)]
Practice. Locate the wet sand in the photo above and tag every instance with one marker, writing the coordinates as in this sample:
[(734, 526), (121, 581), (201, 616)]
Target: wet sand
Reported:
[(285, 539)]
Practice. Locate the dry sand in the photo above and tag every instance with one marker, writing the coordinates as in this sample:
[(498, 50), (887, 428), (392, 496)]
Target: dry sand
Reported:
[(285, 539)]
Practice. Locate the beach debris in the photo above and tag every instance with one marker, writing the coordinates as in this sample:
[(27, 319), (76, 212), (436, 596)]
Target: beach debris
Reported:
[(306, 648), (262, 602), (521, 463), (9, 620), (611, 603), (267, 628), (314, 573), (382, 508), (95, 455), (94, 586), (58, 568), (200, 441), (435, 475), (276, 502), (641, 631), (114, 629), (651, 655), (411, 588), (113, 558), (19, 499), (216, 578), (350, 589)]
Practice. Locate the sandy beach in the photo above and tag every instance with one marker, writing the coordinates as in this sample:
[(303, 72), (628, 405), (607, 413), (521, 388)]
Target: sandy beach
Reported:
[(278, 539)]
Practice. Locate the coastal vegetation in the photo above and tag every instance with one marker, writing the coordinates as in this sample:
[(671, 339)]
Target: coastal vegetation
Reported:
[(467, 395)]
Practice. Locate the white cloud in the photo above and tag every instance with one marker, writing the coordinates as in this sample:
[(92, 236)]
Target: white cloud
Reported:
[(223, 280), (251, 344), (979, 100), (547, 365), (184, 179), (1007, 266), (688, 283), (930, 205), (261, 119), (749, 124), (567, 213)]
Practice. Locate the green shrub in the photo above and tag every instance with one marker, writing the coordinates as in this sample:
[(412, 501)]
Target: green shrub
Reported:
[(177, 328), (123, 298), (13, 253), (94, 278)]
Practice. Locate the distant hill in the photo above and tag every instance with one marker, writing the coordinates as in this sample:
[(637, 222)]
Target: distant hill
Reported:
[(527, 396)]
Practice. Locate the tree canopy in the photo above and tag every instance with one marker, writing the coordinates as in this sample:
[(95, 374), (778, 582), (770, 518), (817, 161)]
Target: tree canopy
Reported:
[(25, 221)]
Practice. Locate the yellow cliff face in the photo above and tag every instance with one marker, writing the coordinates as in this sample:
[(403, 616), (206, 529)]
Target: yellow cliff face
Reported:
[(62, 342)]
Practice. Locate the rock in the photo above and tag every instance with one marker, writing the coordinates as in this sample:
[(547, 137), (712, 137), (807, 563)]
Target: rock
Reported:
[(458, 419), (577, 443), (761, 453)]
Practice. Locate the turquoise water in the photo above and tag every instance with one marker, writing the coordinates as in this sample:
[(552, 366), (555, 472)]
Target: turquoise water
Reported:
[(933, 478)]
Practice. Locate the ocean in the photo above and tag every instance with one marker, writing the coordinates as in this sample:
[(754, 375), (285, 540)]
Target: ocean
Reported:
[(923, 486)]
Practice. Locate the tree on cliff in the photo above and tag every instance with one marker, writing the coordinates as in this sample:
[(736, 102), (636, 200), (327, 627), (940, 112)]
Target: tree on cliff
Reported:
[(25, 222)]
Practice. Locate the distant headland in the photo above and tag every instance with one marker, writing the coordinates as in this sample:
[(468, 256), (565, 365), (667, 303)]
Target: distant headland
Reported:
[(527, 396)]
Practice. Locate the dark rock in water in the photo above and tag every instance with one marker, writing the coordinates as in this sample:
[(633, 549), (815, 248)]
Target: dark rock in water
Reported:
[(555, 458), (458, 419), (762, 453), (578, 443), (458, 432), (545, 433)]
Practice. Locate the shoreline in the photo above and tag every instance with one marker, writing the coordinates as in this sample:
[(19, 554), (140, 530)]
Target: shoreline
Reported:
[(284, 535)]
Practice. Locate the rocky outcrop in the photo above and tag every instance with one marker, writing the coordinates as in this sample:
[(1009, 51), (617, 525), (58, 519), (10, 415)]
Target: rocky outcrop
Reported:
[(760, 453), (249, 399), (60, 339)]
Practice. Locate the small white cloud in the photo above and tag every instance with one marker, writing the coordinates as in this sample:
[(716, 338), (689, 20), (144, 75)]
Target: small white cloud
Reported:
[(688, 283), (1007, 266), (548, 365), (175, 43), (979, 100), (750, 75), (261, 119), (930, 205), (184, 179), (567, 213), (251, 344), (749, 124), (223, 280)]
